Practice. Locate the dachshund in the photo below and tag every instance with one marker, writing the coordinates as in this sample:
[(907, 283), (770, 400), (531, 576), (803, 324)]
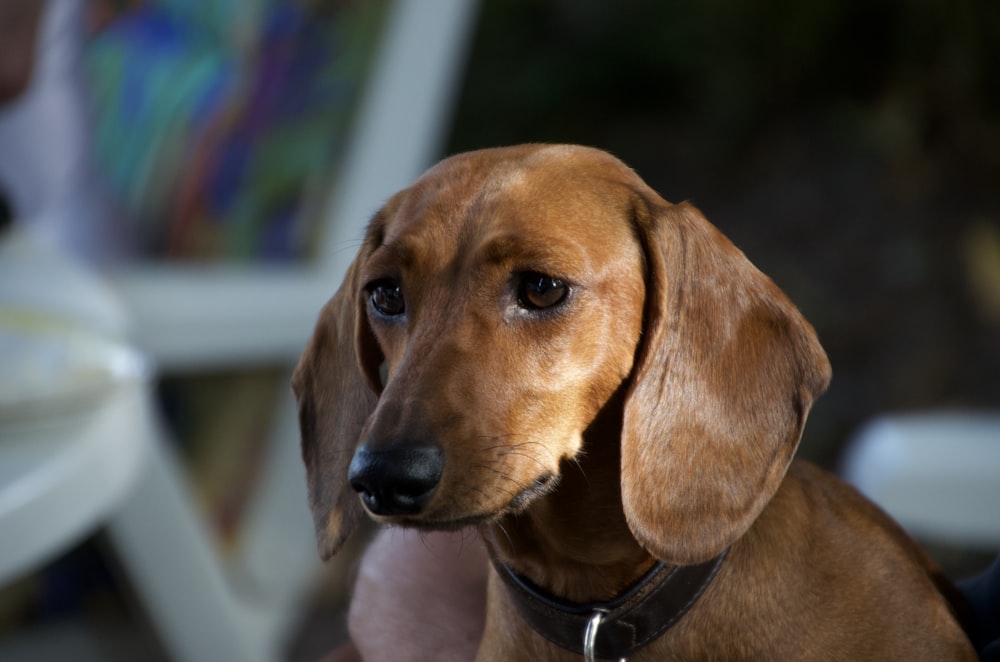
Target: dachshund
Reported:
[(532, 342)]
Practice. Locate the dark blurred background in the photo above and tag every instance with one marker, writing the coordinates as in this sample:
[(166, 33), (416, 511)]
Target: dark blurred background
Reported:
[(850, 149)]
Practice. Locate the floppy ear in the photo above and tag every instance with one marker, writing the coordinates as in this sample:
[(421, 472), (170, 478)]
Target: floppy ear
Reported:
[(725, 374), (335, 399)]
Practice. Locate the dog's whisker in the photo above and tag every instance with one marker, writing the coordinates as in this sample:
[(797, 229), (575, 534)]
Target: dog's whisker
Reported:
[(502, 450), (583, 471), (541, 444), (502, 475), (490, 467), (503, 529), (499, 472)]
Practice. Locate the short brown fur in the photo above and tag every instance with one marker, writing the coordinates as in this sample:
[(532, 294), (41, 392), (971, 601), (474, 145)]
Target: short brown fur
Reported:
[(667, 394)]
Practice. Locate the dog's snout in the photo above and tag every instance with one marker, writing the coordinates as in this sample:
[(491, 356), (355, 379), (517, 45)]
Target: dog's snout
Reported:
[(397, 481)]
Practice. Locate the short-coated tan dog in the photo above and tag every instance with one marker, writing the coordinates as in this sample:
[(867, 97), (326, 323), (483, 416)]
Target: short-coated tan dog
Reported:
[(532, 342)]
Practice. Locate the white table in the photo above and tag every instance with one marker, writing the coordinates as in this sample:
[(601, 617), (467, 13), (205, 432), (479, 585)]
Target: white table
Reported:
[(61, 478)]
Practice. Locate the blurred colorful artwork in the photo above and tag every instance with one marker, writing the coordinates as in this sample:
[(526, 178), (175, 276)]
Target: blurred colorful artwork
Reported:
[(219, 124)]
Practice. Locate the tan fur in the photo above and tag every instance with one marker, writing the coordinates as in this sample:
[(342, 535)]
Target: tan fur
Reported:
[(668, 395)]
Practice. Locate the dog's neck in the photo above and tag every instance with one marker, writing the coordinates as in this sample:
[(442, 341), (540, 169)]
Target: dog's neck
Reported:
[(574, 542)]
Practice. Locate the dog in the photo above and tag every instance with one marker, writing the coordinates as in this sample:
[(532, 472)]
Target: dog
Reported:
[(532, 342)]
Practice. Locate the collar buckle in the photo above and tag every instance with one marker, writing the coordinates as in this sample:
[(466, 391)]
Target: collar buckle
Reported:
[(590, 635)]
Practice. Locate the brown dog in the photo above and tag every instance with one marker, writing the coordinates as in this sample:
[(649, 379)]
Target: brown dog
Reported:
[(531, 341)]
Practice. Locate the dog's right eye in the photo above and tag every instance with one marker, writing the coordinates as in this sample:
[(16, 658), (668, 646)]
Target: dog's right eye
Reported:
[(387, 298), (538, 291)]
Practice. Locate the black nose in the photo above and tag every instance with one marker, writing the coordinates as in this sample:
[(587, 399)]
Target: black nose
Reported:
[(398, 481)]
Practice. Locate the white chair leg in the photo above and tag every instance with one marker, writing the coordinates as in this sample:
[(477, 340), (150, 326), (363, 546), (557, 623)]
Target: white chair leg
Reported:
[(277, 563), (167, 554)]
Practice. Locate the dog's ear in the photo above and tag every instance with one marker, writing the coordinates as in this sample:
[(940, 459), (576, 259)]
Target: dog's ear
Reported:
[(725, 374), (333, 383)]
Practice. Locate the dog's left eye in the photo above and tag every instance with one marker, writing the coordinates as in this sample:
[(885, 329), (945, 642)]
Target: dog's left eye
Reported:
[(537, 291), (387, 298)]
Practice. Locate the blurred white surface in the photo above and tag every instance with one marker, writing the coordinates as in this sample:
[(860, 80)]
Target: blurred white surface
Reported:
[(50, 367), (60, 477), (36, 276), (72, 424), (937, 474), (61, 331)]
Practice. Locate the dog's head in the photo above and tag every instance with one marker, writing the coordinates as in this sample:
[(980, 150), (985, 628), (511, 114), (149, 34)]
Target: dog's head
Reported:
[(493, 310)]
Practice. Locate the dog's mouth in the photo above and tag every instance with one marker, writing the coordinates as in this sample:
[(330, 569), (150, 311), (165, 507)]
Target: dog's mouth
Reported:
[(542, 485)]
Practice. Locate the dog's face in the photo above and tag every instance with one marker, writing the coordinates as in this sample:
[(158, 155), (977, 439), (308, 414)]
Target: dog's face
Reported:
[(506, 318), (495, 307)]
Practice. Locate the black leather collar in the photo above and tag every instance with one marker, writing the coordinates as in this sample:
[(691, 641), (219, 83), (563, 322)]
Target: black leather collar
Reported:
[(628, 622)]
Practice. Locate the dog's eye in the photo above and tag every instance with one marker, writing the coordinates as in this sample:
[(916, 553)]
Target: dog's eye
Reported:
[(538, 291), (387, 298)]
